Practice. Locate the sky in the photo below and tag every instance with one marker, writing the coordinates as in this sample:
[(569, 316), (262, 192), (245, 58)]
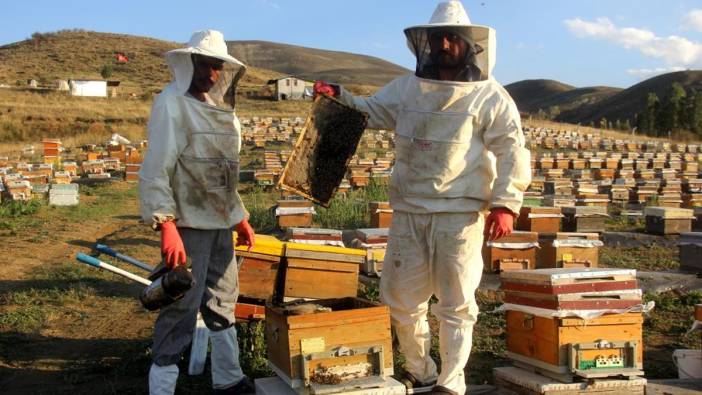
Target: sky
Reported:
[(579, 42)]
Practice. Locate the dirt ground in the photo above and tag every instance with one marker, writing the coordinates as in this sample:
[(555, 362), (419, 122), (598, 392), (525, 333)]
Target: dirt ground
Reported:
[(69, 328)]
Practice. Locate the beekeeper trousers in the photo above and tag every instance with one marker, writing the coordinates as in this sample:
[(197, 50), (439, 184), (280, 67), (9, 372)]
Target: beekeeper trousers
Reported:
[(434, 254), (214, 295)]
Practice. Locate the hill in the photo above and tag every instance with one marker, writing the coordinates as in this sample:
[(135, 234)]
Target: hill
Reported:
[(311, 63), (66, 54), (534, 95), (625, 104)]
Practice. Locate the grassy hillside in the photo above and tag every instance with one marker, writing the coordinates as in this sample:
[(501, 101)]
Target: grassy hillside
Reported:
[(534, 95), (625, 104), (342, 67), (78, 54)]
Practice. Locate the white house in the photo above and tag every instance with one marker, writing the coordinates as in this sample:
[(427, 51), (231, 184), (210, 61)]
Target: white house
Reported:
[(90, 88), (292, 88)]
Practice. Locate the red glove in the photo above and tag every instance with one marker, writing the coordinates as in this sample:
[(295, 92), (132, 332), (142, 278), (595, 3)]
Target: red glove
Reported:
[(172, 245), (322, 88), (245, 235), (499, 223)]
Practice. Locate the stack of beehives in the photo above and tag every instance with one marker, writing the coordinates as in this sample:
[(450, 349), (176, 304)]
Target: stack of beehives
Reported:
[(574, 324)]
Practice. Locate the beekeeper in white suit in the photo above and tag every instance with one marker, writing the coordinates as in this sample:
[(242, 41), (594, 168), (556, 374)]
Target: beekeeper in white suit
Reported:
[(188, 191), (459, 152)]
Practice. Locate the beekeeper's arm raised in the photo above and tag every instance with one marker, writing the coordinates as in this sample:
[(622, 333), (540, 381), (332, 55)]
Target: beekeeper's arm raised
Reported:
[(382, 107)]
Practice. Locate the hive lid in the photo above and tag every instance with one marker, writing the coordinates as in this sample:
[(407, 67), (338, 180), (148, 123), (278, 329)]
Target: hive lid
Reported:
[(668, 212)]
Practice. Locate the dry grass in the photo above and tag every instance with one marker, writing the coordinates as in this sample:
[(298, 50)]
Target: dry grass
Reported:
[(28, 117)]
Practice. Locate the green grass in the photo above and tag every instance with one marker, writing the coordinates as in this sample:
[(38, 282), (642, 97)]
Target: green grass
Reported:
[(260, 205), (665, 330), (13, 214), (109, 200), (652, 257), (27, 319), (50, 291), (351, 211), (618, 223), (252, 349)]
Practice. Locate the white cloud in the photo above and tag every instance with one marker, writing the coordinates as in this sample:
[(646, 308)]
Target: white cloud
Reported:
[(643, 74), (674, 50), (693, 20)]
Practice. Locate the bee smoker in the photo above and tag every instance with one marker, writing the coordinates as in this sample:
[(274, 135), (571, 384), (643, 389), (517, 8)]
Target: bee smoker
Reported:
[(167, 288), (163, 287)]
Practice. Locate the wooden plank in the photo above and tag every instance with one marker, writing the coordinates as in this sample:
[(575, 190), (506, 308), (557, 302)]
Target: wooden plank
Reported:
[(319, 284), (569, 288), (596, 304), (323, 151), (357, 257), (257, 278), (315, 264), (559, 276)]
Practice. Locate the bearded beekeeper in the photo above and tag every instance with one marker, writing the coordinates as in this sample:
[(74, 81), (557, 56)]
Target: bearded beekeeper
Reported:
[(188, 191), (459, 152)]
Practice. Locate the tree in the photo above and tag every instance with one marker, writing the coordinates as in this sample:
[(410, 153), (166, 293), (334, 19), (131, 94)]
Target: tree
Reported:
[(627, 125), (106, 71), (696, 114), (672, 107), (618, 124), (648, 118), (603, 123)]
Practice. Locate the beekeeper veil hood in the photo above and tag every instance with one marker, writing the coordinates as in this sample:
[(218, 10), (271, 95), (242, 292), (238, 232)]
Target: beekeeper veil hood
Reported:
[(207, 43), (451, 16)]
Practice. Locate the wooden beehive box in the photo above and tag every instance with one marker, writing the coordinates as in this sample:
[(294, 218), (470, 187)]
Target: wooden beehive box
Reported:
[(323, 151), (690, 245), (572, 289), (298, 341), (544, 342), (668, 220), (516, 251), (546, 163), (258, 268), (539, 219), (319, 272), (611, 163), (605, 174), (584, 219), (568, 250), (374, 241), (380, 214), (294, 213)]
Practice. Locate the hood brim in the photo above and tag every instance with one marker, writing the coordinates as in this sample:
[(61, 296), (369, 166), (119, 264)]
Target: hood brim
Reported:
[(199, 51), (476, 32)]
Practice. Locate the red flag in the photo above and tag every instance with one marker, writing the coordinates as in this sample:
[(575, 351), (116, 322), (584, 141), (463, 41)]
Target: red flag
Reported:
[(122, 59)]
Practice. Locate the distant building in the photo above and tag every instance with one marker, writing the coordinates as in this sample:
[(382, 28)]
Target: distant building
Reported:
[(292, 88), (112, 87), (89, 88), (61, 85)]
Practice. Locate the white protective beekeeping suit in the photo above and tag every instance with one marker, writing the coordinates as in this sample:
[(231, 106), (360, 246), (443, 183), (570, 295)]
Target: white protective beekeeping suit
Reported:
[(459, 151), (190, 174), (181, 170)]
